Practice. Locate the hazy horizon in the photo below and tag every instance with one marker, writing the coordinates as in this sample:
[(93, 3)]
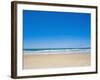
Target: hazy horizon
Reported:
[(58, 48)]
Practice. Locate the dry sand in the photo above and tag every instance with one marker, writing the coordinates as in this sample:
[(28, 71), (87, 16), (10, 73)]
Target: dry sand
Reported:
[(31, 61)]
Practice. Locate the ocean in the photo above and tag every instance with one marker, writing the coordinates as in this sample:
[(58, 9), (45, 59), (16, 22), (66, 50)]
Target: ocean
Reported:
[(57, 51)]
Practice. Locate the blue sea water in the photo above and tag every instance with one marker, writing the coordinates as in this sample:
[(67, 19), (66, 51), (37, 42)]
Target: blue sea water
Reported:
[(56, 50)]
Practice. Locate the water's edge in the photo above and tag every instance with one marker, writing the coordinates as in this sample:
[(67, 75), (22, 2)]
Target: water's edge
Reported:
[(56, 50)]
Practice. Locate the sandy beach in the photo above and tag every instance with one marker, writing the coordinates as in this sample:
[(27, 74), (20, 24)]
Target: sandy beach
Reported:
[(31, 61)]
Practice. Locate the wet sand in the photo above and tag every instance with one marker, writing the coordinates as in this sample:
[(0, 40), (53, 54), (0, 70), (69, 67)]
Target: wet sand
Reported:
[(31, 61)]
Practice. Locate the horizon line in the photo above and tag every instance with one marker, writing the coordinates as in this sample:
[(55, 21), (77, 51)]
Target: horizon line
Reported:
[(56, 48)]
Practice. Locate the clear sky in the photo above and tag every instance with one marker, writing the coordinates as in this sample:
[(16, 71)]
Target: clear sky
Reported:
[(47, 29)]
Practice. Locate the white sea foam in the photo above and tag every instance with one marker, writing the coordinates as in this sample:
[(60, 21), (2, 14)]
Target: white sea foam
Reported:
[(59, 51)]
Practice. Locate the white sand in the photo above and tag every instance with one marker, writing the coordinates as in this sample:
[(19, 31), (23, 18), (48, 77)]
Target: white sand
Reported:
[(32, 61)]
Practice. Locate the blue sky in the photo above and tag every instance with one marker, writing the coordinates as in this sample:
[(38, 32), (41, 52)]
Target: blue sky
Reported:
[(47, 29)]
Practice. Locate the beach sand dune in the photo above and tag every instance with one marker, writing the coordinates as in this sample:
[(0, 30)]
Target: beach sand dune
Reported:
[(31, 61)]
